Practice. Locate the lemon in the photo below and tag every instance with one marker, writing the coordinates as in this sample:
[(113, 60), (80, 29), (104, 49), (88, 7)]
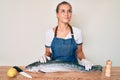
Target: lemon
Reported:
[(12, 72)]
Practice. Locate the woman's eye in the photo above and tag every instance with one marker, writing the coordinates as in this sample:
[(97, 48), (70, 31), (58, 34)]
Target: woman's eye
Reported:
[(70, 11)]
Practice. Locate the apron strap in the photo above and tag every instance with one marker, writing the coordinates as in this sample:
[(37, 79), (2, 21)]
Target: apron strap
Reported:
[(56, 32), (70, 30)]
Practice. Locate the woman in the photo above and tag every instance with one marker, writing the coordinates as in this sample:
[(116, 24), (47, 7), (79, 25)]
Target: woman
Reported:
[(64, 42)]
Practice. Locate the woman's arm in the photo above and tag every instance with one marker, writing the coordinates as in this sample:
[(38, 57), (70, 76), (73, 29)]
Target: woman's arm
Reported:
[(88, 65), (43, 58), (80, 53), (47, 52)]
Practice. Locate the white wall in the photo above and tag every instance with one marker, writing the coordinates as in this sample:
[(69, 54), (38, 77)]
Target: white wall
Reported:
[(23, 24)]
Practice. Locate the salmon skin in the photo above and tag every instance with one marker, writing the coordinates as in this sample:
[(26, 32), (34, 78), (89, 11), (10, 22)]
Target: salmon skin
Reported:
[(58, 66)]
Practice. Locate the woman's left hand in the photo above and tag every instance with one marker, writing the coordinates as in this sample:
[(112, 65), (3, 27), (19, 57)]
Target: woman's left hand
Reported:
[(88, 65)]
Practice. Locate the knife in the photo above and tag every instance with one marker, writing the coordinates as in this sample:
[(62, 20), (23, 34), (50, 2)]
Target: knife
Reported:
[(22, 72)]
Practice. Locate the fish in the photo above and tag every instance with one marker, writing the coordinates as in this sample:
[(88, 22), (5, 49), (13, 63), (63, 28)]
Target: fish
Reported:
[(59, 66)]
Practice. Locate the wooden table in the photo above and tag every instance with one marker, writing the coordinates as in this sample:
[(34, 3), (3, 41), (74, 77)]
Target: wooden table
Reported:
[(62, 75)]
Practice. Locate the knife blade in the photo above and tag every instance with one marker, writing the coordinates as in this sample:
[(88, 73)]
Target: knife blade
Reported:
[(22, 72)]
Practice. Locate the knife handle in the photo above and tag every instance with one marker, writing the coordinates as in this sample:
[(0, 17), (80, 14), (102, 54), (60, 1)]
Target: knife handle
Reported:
[(18, 69)]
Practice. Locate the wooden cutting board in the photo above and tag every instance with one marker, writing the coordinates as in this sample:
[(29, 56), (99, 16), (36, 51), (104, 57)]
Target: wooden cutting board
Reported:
[(61, 75)]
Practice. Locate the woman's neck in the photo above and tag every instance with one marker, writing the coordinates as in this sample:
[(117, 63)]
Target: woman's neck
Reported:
[(63, 27)]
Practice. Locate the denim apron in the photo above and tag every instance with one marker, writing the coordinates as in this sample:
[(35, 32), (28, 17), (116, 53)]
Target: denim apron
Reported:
[(64, 49)]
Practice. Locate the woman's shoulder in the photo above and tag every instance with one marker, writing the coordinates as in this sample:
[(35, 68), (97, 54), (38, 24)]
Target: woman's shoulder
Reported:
[(50, 31), (77, 35), (76, 30)]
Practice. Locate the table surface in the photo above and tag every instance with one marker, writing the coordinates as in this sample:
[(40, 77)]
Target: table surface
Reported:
[(62, 75)]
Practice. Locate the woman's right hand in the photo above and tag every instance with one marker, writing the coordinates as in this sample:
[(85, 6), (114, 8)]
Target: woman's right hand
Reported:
[(44, 58)]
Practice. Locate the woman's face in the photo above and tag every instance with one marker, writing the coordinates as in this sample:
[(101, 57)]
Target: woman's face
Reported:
[(64, 13)]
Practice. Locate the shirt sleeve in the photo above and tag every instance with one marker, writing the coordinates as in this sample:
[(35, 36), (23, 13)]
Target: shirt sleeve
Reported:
[(49, 37), (77, 35)]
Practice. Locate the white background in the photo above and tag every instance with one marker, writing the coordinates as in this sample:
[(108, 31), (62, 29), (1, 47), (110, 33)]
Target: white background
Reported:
[(23, 24)]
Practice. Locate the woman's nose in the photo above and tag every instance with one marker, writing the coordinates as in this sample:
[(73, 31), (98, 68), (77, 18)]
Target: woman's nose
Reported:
[(66, 13)]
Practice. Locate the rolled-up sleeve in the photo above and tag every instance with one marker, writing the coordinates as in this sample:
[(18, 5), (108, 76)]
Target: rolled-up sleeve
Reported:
[(78, 36), (49, 37)]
